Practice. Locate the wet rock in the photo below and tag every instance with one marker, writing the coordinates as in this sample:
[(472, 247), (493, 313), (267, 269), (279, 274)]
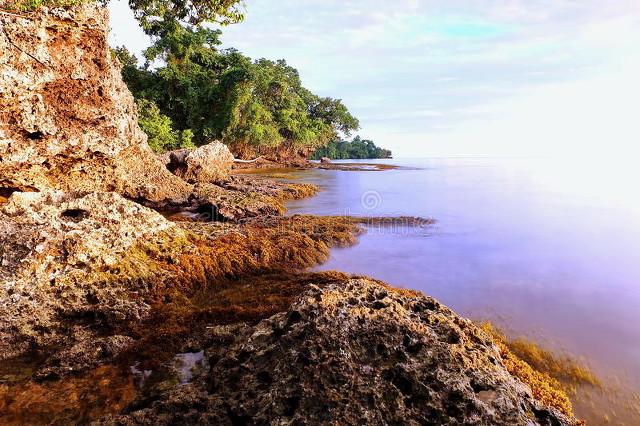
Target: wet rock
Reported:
[(67, 120), (330, 359), (243, 197), (87, 353)]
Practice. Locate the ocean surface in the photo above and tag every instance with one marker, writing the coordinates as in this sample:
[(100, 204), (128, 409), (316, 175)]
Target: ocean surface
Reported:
[(546, 249)]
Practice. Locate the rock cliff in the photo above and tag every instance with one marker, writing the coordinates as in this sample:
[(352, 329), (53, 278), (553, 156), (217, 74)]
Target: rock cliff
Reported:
[(67, 120)]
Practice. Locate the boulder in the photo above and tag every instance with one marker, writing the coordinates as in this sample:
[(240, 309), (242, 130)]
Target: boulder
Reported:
[(356, 352), (68, 256), (206, 164), (67, 120), (325, 160)]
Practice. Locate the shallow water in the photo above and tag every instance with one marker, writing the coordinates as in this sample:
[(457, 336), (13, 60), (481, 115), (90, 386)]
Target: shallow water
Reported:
[(547, 249)]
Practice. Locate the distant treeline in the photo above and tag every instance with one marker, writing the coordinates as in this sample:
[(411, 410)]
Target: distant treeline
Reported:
[(356, 149)]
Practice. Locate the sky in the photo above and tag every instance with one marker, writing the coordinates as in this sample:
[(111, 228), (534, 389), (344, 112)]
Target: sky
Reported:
[(457, 78)]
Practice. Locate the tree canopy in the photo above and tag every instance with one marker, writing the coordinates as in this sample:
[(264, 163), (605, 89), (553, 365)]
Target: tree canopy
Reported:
[(222, 94)]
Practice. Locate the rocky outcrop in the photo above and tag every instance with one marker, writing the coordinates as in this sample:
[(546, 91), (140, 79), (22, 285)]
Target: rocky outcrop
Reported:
[(241, 198), (206, 164), (358, 352), (81, 273), (68, 257), (67, 120)]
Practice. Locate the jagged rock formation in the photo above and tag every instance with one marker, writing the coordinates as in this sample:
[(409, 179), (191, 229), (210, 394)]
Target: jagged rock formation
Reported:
[(67, 120), (78, 266), (358, 352)]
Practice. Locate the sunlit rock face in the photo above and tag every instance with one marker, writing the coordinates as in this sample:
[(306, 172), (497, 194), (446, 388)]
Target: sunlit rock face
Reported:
[(67, 120), (206, 164)]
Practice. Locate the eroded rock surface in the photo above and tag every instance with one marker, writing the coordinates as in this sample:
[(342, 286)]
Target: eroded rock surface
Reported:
[(206, 164), (68, 259), (82, 273), (358, 352), (67, 120)]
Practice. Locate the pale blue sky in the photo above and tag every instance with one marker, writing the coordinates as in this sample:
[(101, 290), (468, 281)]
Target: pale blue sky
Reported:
[(435, 78)]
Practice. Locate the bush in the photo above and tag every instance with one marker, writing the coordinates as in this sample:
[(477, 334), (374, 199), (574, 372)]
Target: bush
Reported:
[(159, 129)]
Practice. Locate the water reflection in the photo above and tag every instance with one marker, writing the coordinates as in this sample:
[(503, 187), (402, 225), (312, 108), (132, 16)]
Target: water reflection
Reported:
[(547, 249)]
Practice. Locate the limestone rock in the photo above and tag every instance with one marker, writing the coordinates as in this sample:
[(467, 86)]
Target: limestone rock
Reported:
[(67, 120), (67, 256), (353, 353), (205, 164)]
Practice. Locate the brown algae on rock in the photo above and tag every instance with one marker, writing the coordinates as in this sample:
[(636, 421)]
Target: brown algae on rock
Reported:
[(552, 378), (74, 400), (350, 350)]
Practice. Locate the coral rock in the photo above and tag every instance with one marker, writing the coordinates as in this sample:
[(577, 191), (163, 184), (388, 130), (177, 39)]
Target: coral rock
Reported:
[(205, 164), (352, 353), (65, 256), (67, 120)]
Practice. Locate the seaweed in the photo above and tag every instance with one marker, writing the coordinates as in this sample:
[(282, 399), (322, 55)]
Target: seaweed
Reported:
[(551, 377)]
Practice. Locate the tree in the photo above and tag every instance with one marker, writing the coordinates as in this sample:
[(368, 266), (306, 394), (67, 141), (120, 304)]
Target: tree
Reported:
[(156, 15), (358, 148), (222, 94), (159, 129)]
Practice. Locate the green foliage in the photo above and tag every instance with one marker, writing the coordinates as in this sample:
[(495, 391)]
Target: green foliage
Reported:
[(159, 129), (155, 16), (225, 95), (356, 149), (30, 5)]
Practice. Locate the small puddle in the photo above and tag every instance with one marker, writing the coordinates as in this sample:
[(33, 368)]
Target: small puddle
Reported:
[(187, 364)]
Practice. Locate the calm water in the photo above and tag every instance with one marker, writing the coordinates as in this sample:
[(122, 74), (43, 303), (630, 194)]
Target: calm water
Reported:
[(547, 249)]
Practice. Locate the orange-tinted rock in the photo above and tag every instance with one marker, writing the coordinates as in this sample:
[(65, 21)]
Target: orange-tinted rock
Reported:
[(67, 120)]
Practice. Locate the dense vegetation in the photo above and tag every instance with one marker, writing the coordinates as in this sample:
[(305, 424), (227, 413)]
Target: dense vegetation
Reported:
[(356, 149), (200, 93), (28, 5), (190, 92)]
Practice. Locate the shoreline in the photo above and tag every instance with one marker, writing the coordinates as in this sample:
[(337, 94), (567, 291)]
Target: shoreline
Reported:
[(111, 314), (303, 240)]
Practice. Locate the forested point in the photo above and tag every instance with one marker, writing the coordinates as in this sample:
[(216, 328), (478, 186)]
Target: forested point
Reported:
[(189, 93), (356, 149)]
